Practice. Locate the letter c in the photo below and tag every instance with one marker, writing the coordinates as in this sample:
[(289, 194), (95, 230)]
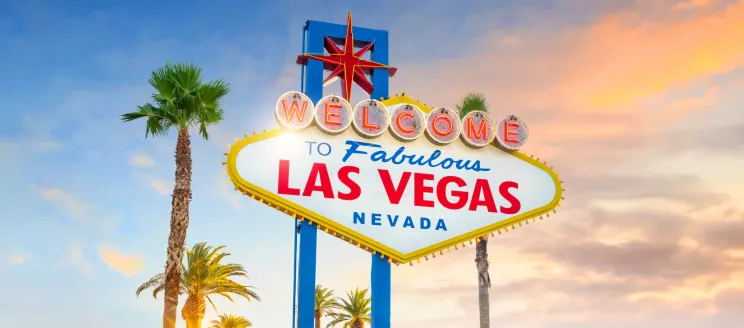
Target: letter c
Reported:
[(400, 127)]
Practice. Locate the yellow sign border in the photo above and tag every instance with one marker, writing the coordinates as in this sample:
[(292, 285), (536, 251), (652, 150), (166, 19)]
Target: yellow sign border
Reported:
[(332, 227)]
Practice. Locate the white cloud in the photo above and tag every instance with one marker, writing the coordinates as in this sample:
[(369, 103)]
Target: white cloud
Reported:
[(74, 206), (160, 186), (141, 159), (19, 258), (128, 265), (76, 257)]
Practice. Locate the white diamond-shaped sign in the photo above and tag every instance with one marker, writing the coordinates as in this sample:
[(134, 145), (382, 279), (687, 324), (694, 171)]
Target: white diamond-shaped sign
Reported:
[(360, 189)]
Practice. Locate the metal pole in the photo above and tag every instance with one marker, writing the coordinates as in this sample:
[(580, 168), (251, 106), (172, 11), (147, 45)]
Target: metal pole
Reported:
[(296, 228)]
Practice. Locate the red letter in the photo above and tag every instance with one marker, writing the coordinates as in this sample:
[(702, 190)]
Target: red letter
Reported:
[(283, 187), (394, 193), (328, 113), (354, 190), (508, 133), (419, 189), (294, 109), (397, 122), (449, 124), (461, 196), (481, 129), (482, 188), (504, 191), (319, 171), (365, 123)]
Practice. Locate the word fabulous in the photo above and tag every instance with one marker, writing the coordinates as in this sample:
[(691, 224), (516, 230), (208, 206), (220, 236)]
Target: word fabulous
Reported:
[(370, 119)]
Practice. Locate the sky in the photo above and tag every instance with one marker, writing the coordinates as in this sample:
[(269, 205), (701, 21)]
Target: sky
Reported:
[(637, 105)]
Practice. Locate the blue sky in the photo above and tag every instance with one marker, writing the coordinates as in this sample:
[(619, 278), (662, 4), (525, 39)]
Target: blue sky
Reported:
[(87, 200)]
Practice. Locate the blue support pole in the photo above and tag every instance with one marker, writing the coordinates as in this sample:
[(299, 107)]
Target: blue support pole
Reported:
[(296, 228), (313, 85), (380, 275), (306, 276)]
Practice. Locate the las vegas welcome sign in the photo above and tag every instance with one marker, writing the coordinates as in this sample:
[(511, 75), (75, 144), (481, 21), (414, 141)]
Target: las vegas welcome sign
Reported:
[(394, 177)]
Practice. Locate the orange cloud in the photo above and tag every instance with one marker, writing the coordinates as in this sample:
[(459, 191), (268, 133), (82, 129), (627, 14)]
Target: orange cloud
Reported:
[(637, 59), (610, 65), (127, 264)]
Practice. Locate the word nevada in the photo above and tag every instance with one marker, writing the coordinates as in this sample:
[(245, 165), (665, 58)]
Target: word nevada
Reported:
[(406, 122)]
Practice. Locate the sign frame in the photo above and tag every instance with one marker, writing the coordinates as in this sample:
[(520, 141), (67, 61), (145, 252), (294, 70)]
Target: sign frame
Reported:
[(330, 226)]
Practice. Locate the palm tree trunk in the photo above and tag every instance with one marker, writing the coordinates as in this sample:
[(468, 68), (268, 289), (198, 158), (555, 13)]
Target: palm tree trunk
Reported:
[(317, 321), (179, 223), (193, 311), (484, 282)]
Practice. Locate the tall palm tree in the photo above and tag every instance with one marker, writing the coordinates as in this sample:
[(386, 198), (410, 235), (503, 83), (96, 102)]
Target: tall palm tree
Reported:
[(181, 102), (353, 311), (203, 275), (231, 321), (477, 101), (325, 304)]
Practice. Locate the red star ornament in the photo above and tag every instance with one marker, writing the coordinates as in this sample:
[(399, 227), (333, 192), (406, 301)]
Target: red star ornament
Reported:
[(347, 64)]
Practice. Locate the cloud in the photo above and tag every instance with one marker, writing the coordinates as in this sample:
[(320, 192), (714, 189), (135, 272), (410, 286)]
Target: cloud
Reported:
[(161, 186), (128, 265), (19, 258), (141, 159), (70, 203), (76, 257), (692, 4)]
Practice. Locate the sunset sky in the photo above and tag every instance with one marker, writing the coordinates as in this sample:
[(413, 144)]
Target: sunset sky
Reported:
[(637, 105)]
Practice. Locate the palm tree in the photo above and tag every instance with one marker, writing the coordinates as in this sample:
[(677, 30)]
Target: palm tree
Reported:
[(181, 101), (325, 304), (231, 321), (203, 275), (477, 101), (354, 310)]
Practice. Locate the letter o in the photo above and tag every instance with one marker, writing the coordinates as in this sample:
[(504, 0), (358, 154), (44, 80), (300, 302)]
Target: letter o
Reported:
[(442, 126), (327, 146)]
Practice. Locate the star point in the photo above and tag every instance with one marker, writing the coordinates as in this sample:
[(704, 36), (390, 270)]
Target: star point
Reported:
[(347, 64)]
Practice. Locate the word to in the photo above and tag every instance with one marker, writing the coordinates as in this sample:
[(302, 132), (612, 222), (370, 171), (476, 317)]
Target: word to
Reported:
[(406, 122)]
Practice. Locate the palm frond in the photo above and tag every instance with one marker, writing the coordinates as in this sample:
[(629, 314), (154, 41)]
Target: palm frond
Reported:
[(181, 101), (157, 281), (203, 275), (471, 102)]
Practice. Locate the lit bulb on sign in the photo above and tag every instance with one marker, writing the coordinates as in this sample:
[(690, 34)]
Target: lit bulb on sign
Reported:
[(477, 129), (511, 133), (407, 122), (333, 114), (370, 118), (442, 126), (294, 110)]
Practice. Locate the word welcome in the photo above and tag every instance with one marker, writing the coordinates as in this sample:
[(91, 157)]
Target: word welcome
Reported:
[(450, 192), (398, 157), (406, 122)]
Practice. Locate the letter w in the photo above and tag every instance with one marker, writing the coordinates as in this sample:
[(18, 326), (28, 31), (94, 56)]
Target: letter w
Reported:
[(294, 109)]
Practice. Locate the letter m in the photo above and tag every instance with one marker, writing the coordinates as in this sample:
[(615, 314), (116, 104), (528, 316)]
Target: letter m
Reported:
[(294, 109), (480, 133)]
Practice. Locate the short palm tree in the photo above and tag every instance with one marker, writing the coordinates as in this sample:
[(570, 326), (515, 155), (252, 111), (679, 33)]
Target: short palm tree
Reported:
[(203, 275), (231, 321), (471, 102), (325, 304), (353, 311), (181, 101)]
